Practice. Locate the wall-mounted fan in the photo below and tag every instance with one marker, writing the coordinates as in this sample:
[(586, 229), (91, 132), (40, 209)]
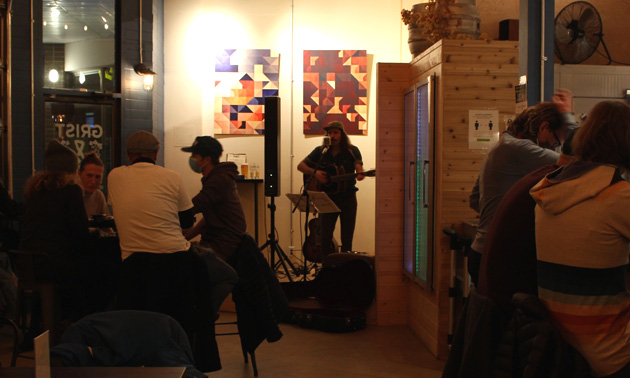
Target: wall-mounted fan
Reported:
[(578, 32)]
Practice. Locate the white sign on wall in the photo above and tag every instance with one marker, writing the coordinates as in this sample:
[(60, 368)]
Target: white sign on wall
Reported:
[(483, 128)]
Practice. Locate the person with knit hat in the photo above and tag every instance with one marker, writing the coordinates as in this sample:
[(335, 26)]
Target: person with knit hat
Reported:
[(55, 222), (339, 156)]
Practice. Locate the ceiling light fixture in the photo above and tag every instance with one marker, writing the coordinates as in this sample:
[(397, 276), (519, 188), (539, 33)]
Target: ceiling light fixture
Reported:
[(106, 26), (140, 68), (85, 27)]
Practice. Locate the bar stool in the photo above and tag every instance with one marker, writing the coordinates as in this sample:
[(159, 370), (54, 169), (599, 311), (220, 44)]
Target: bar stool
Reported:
[(29, 286), (16, 338), (252, 353)]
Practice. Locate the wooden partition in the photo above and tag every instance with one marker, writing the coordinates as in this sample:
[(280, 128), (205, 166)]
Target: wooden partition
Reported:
[(471, 75)]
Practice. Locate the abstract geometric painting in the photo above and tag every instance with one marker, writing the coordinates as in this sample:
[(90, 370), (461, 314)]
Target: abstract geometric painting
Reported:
[(335, 89), (243, 79)]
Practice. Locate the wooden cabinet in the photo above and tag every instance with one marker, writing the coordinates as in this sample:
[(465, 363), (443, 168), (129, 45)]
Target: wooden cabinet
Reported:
[(467, 75)]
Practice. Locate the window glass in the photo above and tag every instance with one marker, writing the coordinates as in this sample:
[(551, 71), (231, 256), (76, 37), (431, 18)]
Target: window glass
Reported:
[(83, 128), (79, 44)]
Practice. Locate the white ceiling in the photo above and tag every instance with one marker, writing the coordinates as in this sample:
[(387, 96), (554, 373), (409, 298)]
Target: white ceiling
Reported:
[(77, 14)]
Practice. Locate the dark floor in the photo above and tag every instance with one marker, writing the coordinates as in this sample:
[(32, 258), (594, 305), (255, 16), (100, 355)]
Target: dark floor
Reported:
[(372, 352)]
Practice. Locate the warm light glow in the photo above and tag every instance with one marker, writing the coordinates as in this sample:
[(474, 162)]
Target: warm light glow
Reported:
[(65, 26), (55, 13), (200, 32), (45, 23), (106, 26), (104, 20), (81, 78), (147, 82), (85, 27), (53, 75)]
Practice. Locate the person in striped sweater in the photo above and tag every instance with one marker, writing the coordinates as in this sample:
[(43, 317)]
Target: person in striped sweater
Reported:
[(583, 239)]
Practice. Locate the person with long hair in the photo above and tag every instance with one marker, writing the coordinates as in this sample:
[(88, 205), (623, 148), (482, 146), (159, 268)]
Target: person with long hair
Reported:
[(343, 157), (582, 241), (526, 145), (56, 223)]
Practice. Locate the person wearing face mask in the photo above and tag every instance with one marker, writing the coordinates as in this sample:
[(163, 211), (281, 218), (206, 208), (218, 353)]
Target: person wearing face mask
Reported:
[(528, 144), (223, 224)]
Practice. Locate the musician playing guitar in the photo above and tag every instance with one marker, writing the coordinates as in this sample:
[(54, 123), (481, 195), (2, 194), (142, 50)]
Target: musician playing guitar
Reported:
[(347, 159)]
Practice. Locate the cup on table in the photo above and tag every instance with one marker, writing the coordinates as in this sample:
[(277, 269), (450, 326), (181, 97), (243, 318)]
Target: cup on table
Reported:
[(245, 170)]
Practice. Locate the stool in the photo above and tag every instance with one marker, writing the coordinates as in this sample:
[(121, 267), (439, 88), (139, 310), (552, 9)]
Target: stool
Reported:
[(16, 338), (47, 290), (252, 354)]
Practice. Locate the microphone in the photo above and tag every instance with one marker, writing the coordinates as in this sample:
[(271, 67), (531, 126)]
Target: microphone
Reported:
[(326, 144)]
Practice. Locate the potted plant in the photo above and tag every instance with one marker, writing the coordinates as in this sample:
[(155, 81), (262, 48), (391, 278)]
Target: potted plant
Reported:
[(436, 19)]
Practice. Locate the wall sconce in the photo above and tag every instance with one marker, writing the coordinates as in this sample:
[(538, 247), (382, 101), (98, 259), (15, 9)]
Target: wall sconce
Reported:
[(140, 68)]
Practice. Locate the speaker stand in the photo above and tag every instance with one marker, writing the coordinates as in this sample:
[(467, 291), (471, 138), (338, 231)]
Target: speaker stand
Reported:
[(274, 247)]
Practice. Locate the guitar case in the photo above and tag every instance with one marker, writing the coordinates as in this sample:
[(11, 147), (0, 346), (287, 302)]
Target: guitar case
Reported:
[(336, 300)]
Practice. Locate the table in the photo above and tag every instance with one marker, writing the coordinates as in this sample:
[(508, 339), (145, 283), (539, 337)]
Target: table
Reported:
[(97, 372), (254, 182)]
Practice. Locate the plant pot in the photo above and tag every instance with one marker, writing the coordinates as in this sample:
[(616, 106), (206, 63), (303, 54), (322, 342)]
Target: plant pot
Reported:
[(417, 42)]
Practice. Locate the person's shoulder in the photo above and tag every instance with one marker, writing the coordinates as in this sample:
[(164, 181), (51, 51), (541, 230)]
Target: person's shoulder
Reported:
[(73, 190)]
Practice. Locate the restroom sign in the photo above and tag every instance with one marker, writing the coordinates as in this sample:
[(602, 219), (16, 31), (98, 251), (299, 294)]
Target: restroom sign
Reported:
[(483, 128)]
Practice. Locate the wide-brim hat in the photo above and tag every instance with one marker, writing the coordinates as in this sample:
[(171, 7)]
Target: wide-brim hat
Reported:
[(335, 125), (205, 146)]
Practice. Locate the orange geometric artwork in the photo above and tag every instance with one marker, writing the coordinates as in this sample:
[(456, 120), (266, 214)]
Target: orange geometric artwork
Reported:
[(243, 79), (335, 89)]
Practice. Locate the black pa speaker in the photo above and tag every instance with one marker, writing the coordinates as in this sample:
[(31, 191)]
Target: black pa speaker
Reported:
[(272, 146)]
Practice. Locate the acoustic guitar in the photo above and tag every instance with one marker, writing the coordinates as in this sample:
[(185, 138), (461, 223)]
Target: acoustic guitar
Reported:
[(312, 247), (337, 179)]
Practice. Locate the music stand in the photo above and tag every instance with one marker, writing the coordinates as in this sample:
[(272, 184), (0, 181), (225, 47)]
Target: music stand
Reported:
[(313, 202)]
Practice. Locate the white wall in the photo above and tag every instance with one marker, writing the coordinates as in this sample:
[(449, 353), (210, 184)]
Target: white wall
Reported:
[(193, 28)]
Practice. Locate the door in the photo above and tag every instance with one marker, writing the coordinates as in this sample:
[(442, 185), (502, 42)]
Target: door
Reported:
[(419, 182)]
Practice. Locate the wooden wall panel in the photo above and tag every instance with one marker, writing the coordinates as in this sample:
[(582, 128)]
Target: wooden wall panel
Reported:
[(392, 298), (470, 75)]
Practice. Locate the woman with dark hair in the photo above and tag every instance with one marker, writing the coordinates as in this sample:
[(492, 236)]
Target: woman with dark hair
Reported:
[(582, 242), (55, 222), (526, 145)]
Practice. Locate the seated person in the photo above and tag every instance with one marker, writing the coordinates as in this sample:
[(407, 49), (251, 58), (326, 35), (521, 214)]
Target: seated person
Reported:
[(528, 144), (91, 174), (583, 239), (223, 224), (508, 264), (160, 272), (55, 222)]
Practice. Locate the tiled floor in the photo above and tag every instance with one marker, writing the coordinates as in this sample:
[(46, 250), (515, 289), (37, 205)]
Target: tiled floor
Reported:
[(372, 352)]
